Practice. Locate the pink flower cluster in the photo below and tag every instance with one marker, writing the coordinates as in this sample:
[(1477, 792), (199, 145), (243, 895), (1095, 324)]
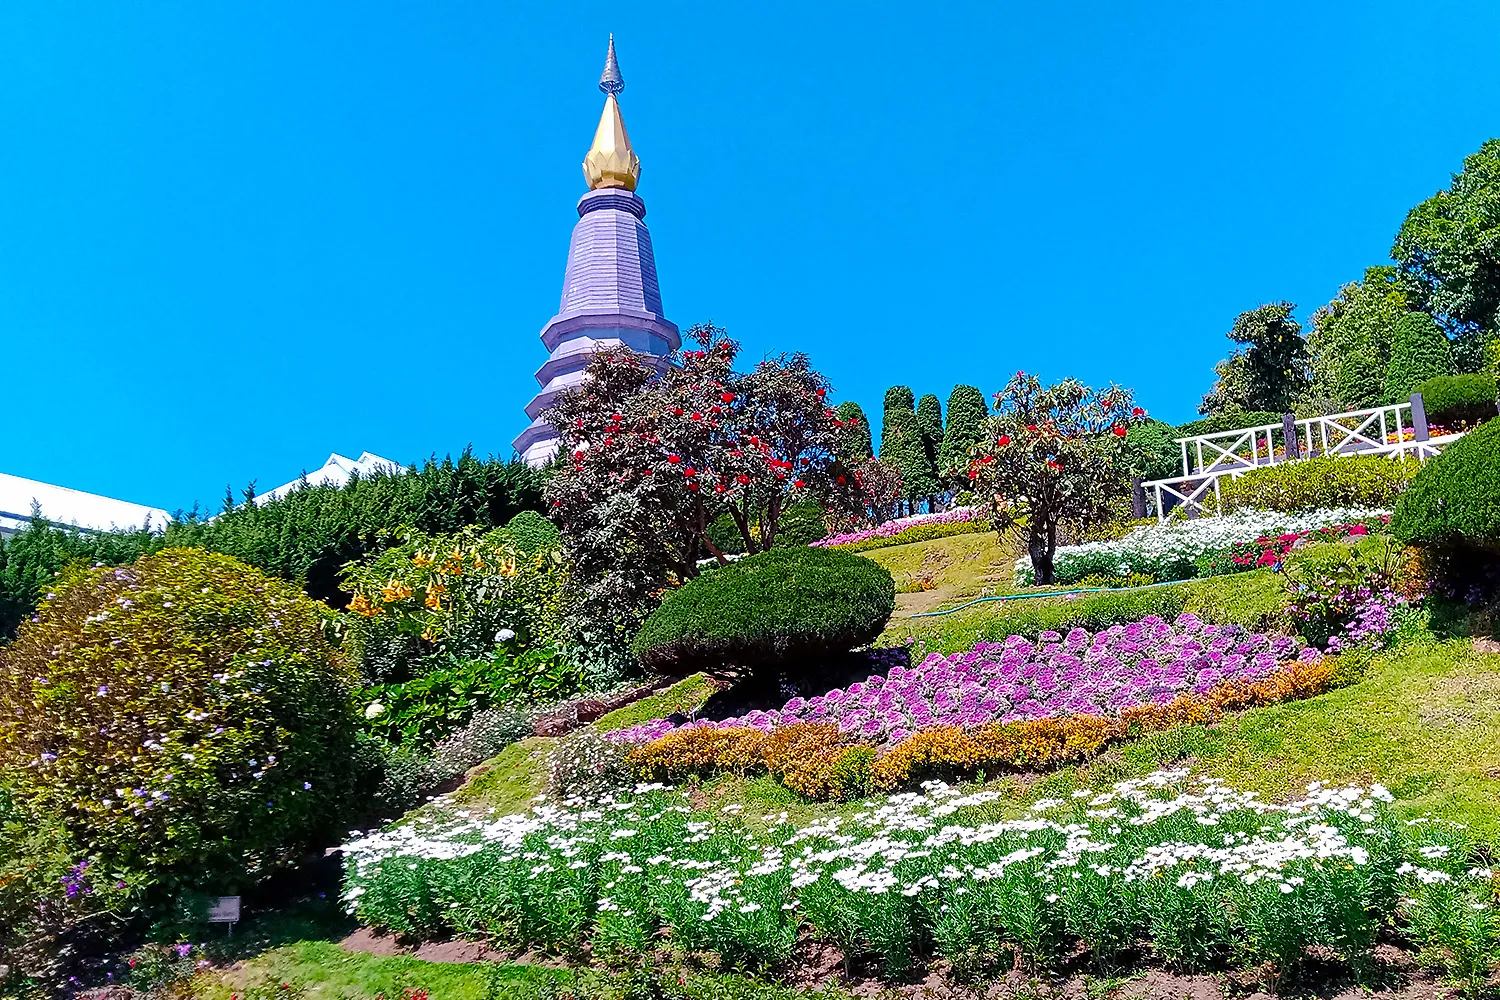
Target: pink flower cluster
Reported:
[(957, 515), (1102, 673)]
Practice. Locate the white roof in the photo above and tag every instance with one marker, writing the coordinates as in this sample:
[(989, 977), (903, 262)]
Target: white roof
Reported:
[(61, 505), (337, 471)]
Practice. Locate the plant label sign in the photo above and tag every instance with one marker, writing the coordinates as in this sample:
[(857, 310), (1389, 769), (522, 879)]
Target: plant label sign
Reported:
[(224, 910)]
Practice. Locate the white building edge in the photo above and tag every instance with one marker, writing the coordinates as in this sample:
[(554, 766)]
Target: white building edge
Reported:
[(71, 508)]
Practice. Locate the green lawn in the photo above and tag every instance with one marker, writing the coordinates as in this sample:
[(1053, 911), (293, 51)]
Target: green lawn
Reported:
[(955, 567)]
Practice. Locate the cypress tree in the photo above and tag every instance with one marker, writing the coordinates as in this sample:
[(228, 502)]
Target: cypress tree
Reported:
[(901, 444), (1419, 351), (930, 419), (967, 411), (855, 444)]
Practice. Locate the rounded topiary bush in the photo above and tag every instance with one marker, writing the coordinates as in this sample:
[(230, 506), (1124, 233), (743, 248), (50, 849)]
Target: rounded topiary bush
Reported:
[(767, 610), (1458, 399), (532, 532), (1455, 498), (185, 716)]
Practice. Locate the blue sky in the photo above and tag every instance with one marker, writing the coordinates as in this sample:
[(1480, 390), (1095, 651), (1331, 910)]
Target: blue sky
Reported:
[(237, 236)]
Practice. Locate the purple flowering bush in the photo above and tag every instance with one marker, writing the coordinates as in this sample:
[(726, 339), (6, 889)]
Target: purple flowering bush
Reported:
[(958, 515), (1092, 673), (185, 715), (1344, 596)]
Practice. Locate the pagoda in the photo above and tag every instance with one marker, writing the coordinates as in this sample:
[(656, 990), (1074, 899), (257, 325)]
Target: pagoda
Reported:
[(610, 296)]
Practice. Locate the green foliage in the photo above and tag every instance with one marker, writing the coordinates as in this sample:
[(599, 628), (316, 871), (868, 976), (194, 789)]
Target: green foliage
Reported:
[(533, 533), (1152, 451), (1449, 246), (1299, 487), (903, 447), (1219, 423), (686, 696), (1350, 342), (854, 439), (801, 524), (457, 594), (930, 420), (1459, 399), (1269, 372), (767, 611), (1419, 351), (967, 409), (425, 709), (311, 533), (185, 715), (33, 557), (1455, 498)]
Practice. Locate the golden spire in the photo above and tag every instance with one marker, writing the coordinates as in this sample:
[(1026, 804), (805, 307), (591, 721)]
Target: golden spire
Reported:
[(610, 162)]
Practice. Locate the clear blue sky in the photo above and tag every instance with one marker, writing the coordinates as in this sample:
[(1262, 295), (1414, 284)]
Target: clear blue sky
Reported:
[(237, 236)]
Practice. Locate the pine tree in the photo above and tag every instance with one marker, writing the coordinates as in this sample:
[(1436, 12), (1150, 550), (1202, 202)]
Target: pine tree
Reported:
[(855, 444), (966, 412), (901, 444), (1419, 351)]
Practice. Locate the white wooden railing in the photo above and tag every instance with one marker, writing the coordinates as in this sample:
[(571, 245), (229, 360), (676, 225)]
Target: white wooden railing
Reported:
[(1208, 458)]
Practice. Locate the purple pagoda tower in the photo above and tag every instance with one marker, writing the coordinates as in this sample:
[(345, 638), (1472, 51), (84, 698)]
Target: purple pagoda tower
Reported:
[(610, 296)]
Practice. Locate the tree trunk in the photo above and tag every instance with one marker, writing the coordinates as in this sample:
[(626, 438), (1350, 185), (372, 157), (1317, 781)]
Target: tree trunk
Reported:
[(1040, 547)]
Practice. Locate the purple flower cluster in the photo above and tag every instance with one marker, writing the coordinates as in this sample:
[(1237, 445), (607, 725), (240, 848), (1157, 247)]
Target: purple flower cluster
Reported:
[(1081, 673), (957, 515), (1374, 618)]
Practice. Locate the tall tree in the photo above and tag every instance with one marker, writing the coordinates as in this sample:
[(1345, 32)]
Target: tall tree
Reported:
[(1270, 371), (855, 444), (1449, 250), (1350, 343), (966, 412), (901, 444), (930, 420), (1419, 351)]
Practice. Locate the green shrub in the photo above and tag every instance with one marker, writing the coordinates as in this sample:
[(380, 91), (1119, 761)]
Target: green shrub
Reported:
[(1455, 498), (1419, 351), (1222, 422), (427, 708), (1459, 399), (185, 714), (768, 609), (1152, 451), (1299, 487), (532, 532), (800, 524)]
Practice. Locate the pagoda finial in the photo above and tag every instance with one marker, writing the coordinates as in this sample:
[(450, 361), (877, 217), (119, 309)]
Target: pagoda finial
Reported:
[(611, 81), (610, 162)]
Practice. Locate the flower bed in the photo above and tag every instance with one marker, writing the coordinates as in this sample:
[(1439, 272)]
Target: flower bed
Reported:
[(1270, 550), (1201, 874), (1081, 673), (1171, 551), (890, 529)]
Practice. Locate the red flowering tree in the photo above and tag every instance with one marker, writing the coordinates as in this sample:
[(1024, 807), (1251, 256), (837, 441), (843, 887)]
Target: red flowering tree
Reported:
[(1050, 456), (651, 456)]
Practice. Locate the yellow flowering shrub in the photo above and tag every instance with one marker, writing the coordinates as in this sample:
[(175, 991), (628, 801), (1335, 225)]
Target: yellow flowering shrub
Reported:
[(700, 751)]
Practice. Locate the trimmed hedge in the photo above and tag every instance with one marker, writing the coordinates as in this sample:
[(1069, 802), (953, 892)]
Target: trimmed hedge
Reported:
[(1455, 499), (768, 609), (1299, 487), (532, 532), (1419, 351), (1451, 399)]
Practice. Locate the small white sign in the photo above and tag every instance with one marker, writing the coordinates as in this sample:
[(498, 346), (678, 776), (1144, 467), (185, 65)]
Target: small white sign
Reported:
[(225, 910)]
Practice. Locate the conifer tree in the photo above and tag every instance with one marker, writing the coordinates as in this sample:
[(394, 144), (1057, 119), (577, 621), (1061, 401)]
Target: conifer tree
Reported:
[(1419, 351), (901, 444), (966, 412), (930, 419), (855, 444)]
